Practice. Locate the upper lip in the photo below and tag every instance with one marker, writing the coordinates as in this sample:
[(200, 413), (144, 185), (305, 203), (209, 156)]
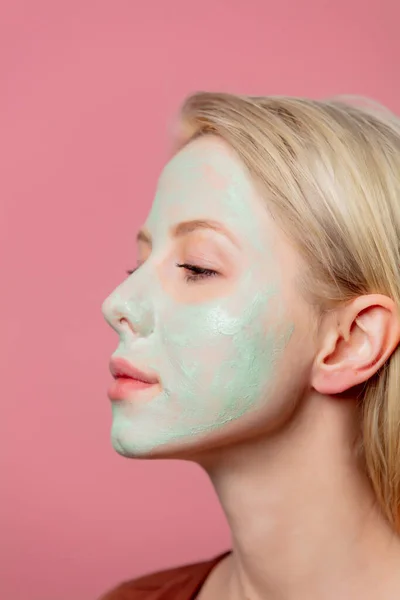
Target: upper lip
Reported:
[(120, 367)]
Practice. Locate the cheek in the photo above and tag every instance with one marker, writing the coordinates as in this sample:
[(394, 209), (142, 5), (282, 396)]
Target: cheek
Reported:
[(220, 360), (197, 341)]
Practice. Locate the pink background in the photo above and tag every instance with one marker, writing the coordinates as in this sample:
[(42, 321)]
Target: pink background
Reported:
[(88, 90)]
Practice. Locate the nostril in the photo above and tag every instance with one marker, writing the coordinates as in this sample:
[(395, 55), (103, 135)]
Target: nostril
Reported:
[(124, 321), (125, 324)]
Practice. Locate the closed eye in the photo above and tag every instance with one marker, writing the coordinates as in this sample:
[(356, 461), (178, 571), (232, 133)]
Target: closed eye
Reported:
[(195, 273)]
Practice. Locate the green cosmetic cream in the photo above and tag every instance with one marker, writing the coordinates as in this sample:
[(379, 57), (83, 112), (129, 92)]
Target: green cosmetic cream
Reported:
[(215, 358)]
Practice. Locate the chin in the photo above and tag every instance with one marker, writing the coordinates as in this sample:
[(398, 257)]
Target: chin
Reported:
[(145, 436), (130, 442), (132, 439)]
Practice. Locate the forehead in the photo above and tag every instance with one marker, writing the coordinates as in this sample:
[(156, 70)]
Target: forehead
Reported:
[(208, 157), (207, 180)]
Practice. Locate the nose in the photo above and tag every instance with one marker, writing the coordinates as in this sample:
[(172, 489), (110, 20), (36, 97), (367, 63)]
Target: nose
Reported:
[(124, 312)]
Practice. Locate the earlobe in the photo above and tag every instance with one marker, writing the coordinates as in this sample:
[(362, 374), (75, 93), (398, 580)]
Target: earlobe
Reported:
[(356, 342)]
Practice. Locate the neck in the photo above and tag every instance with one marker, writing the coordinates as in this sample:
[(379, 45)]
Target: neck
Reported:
[(303, 518)]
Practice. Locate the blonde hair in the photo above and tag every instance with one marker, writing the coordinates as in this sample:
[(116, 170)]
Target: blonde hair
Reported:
[(331, 173)]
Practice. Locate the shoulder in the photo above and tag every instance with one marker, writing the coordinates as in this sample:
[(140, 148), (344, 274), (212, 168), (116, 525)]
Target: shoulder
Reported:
[(148, 587)]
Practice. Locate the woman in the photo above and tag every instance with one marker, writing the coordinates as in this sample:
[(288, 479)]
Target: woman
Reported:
[(259, 336)]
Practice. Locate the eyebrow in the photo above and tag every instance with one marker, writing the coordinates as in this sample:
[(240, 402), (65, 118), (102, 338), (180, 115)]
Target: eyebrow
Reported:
[(187, 227)]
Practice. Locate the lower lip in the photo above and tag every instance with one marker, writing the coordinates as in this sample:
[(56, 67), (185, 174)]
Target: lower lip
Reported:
[(122, 387)]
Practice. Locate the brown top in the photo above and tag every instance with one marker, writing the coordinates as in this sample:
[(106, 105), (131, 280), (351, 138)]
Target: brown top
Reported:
[(180, 583)]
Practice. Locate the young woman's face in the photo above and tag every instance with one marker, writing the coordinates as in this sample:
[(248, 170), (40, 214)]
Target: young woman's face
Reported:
[(212, 311)]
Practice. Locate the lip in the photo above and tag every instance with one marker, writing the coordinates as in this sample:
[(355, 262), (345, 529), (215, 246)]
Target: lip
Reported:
[(129, 381), (121, 368)]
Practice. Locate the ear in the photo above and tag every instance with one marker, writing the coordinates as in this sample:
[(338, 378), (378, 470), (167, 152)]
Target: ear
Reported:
[(354, 342)]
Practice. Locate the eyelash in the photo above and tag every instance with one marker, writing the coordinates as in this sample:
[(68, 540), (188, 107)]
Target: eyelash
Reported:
[(196, 272)]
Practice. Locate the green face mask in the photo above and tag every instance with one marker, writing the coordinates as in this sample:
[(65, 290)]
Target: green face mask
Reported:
[(215, 357)]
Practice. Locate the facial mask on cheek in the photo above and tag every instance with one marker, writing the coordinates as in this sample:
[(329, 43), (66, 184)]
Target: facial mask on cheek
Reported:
[(216, 358), (215, 361)]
